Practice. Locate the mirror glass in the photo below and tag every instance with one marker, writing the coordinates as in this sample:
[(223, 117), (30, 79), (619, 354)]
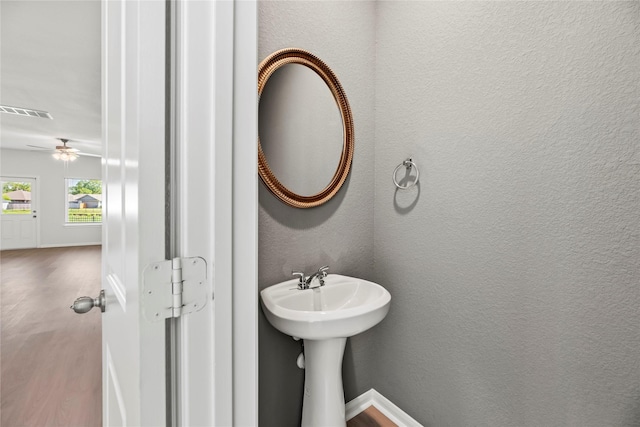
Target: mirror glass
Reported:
[(301, 129)]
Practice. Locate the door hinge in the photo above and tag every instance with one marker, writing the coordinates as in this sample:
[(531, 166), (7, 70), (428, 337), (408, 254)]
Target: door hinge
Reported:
[(172, 288)]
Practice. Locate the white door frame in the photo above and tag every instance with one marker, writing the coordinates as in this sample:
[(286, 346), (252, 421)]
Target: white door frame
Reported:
[(245, 214), (216, 137)]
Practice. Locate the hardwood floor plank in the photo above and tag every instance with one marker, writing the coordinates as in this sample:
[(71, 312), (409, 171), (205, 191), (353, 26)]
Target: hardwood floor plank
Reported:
[(371, 417), (50, 357)]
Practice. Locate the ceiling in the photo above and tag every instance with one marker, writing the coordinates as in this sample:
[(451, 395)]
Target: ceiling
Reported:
[(50, 60)]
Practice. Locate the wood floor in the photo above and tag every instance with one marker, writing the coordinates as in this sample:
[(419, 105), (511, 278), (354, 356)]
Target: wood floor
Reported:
[(50, 357), (371, 417)]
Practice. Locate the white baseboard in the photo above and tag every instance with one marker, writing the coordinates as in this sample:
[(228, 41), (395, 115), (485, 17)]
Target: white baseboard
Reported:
[(381, 403), (65, 245)]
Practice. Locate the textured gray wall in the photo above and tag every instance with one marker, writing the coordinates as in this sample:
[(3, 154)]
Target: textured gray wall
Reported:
[(339, 233), (515, 269), (515, 266)]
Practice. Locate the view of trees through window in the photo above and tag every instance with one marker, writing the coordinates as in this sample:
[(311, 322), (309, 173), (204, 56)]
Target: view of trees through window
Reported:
[(16, 197), (84, 200)]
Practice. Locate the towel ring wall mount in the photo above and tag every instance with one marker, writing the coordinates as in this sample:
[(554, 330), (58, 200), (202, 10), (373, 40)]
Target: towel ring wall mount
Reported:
[(408, 164)]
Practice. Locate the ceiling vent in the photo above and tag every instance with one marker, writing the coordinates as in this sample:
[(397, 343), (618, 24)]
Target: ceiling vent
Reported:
[(24, 112)]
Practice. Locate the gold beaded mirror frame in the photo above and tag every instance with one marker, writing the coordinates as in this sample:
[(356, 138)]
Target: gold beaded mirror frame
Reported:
[(298, 56)]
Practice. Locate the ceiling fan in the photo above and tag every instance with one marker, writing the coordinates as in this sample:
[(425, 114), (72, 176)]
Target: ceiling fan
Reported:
[(64, 152)]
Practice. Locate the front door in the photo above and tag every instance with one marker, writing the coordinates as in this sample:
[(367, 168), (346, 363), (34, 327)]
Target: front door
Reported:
[(19, 213), (133, 349)]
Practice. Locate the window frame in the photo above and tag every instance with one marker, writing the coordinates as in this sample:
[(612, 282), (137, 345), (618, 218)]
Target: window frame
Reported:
[(70, 182)]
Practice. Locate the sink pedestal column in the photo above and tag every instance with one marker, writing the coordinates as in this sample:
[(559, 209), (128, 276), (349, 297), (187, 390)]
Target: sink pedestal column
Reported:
[(323, 403)]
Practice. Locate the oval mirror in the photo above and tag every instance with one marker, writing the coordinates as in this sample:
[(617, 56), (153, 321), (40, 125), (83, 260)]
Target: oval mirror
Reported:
[(305, 144)]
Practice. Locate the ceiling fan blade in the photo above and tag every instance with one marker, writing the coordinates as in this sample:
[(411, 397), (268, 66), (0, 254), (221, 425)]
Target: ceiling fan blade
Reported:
[(38, 147), (88, 154), (65, 148)]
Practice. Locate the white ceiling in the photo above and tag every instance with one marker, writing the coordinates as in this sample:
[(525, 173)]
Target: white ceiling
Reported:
[(50, 60)]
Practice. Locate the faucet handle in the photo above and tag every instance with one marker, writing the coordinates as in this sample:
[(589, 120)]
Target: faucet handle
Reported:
[(322, 273), (301, 278)]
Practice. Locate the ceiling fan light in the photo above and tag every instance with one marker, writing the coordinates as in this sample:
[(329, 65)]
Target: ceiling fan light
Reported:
[(65, 154)]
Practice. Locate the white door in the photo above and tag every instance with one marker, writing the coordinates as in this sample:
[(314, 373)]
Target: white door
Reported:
[(134, 233), (19, 213)]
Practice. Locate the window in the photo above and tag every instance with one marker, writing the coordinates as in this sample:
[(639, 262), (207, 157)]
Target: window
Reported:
[(16, 198), (84, 201)]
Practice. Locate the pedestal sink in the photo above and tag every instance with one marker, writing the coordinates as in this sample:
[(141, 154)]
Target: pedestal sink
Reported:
[(324, 317)]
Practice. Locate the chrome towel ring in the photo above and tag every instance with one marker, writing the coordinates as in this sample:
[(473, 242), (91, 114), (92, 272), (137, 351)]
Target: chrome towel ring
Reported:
[(409, 165)]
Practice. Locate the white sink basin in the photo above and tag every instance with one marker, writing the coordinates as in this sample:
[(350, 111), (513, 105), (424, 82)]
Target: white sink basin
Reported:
[(343, 307), (325, 317)]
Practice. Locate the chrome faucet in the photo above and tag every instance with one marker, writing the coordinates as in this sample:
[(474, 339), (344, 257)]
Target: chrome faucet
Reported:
[(320, 275), (301, 279), (304, 282)]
